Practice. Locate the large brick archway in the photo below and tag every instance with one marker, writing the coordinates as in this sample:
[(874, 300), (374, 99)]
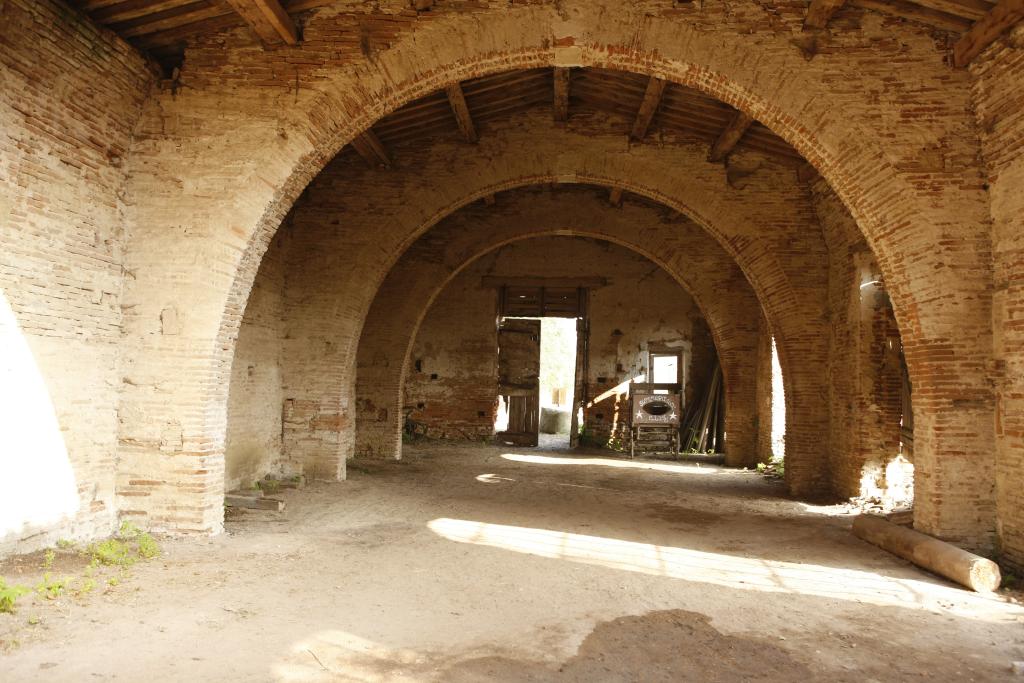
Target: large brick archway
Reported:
[(339, 269), (683, 250), (926, 223)]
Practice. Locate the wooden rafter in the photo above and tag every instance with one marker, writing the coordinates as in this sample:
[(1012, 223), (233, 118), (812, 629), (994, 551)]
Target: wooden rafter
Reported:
[(268, 19), (730, 136), (820, 11), (371, 149), (498, 97), (915, 12), (649, 105), (986, 30), (615, 196), (458, 104), (561, 93), (968, 9)]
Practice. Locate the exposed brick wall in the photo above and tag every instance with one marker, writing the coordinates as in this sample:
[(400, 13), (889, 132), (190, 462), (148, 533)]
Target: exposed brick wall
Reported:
[(452, 395), (865, 371), (679, 246), (253, 446), (69, 98), (647, 306), (999, 99), (457, 340)]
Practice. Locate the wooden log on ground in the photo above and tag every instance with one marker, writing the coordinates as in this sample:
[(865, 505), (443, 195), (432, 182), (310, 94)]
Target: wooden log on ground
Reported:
[(927, 552)]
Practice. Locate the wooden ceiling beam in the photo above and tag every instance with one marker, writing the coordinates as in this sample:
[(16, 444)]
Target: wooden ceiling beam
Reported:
[(615, 196), (730, 136), (371, 149), (915, 12), (987, 30), (457, 101), (268, 19), (174, 37), (166, 19), (820, 11), (649, 105), (562, 77), (132, 9), (968, 9)]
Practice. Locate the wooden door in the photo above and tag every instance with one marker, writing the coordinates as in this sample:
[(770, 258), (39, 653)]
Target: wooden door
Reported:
[(519, 379), (579, 396)]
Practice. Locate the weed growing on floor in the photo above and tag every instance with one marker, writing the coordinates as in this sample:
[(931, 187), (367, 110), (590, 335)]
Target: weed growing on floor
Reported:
[(147, 546), (51, 588), (87, 586), (269, 486), (65, 544), (111, 552), (48, 558), (775, 467), (125, 549), (9, 595)]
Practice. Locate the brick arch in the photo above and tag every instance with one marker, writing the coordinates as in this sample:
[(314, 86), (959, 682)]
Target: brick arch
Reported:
[(447, 179), (920, 236), (684, 251)]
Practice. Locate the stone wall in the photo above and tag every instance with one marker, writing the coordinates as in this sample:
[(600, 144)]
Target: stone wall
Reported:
[(70, 96), (452, 393)]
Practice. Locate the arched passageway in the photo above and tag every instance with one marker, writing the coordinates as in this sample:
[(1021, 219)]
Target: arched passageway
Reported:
[(697, 263), (197, 257), (195, 245)]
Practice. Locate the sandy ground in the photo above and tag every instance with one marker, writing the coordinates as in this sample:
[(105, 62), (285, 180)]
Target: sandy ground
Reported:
[(484, 563)]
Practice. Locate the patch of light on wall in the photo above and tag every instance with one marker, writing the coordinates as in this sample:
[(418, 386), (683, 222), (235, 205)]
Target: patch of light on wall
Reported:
[(778, 406), (37, 486)]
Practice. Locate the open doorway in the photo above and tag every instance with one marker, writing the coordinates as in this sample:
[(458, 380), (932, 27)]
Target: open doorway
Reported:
[(557, 380), (537, 359), (541, 362)]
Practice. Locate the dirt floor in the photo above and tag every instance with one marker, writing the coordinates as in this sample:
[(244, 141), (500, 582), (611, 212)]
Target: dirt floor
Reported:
[(466, 563)]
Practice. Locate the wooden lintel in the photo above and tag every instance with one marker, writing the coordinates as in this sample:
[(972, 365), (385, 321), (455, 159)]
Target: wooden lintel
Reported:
[(820, 11), (649, 105), (458, 104), (370, 148), (615, 196), (495, 281), (268, 19), (561, 93), (730, 136), (986, 30)]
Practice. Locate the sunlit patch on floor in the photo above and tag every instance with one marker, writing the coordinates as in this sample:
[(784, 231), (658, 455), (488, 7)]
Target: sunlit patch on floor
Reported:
[(612, 462), (746, 573)]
